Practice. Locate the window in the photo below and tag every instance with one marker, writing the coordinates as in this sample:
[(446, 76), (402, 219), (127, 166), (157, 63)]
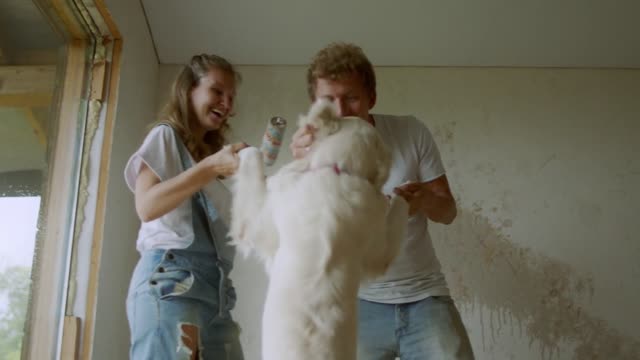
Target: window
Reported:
[(57, 72), (28, 64)]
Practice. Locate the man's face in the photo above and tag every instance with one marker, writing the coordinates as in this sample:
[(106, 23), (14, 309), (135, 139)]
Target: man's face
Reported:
[(348, 95)]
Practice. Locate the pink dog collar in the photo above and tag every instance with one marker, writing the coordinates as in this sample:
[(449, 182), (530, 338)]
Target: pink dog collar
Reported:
[(336, 169)]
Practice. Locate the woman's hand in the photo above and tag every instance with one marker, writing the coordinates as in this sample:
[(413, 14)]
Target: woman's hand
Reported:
[(154, 198), (225, 162), (301, 141)]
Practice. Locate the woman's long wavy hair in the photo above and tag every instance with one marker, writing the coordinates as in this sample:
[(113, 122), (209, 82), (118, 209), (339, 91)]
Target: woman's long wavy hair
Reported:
[(179, 114)]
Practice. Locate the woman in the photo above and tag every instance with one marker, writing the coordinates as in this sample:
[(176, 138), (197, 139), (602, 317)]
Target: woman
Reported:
[(180, 295)]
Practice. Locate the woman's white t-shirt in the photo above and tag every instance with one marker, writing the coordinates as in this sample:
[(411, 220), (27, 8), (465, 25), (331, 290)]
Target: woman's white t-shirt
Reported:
[(174, 230)]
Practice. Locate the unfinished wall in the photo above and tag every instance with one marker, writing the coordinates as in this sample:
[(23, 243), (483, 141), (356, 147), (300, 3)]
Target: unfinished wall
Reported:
[(135, 108), (543, 257)]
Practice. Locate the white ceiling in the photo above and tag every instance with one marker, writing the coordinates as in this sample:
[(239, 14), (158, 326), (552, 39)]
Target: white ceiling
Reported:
[(539, 33)]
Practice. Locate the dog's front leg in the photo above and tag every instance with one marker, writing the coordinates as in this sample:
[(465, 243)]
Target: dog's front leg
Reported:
[(384, 246), (397, 219), (249, 193)]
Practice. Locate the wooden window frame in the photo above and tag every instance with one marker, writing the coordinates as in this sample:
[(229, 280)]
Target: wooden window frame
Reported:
[(85, 103)]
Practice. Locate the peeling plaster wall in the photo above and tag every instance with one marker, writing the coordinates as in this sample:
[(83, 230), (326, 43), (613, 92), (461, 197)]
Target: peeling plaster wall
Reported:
[(135, 108), (543, 257), (544, 165)]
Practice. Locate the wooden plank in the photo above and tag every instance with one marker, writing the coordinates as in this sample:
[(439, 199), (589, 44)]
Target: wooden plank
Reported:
[(98, 227), (65, 14), (27, 79), (45, 308), (36, 125), (107, 18), (34, 57), (26, 100), (97, 81), (70, 338)]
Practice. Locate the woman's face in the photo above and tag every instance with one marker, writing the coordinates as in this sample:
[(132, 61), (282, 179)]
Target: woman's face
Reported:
[(212, 99)]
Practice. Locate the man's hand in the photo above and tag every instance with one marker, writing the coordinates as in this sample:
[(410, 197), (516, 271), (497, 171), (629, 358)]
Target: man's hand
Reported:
[(432, 198), (301, 141), (414, 194)]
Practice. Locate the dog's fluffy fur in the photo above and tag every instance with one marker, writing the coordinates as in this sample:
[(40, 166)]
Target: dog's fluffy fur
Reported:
[(320, 232)]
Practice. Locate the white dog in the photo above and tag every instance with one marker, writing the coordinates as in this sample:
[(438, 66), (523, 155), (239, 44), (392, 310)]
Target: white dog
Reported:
[(321, 225)]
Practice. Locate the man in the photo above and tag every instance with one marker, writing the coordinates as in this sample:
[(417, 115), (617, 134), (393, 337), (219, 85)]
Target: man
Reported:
[(407, 312)]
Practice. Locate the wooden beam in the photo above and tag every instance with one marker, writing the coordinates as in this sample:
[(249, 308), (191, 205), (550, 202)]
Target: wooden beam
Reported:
[(65, 14), (111, 87), (108, 19), (37, 127), (71, 338), (27, 79), (49, 289), (34, 57), (26, 100)]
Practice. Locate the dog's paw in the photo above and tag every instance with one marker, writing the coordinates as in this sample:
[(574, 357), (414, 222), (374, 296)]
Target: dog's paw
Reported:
[(248, 153), (250, 160), (397, 204), (242, 247)]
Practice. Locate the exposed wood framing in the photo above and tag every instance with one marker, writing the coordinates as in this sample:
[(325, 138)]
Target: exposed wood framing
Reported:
[(26, 100), (98, 232), (70, 338), (36, 125), (27, 79), (88, 25), (45, 318), (26, 86)]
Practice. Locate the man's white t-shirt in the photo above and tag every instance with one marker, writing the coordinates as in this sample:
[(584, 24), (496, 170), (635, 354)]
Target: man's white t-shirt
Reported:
[(174, 230), (415, 273)]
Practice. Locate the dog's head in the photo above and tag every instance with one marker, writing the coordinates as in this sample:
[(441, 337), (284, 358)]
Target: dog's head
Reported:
[(348, 142), (323, 117)]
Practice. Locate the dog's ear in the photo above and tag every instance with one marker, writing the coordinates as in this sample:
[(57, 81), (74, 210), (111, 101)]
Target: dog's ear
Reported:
[(323, 116), (322, 109)]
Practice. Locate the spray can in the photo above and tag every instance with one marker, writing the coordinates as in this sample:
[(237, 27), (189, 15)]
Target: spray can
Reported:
[(272, 139)]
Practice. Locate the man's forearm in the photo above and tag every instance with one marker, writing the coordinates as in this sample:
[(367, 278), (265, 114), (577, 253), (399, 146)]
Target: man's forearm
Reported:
[(441, 209)]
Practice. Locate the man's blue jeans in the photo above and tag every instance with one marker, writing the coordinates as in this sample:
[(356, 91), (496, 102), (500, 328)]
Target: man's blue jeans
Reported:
[(429, 329)]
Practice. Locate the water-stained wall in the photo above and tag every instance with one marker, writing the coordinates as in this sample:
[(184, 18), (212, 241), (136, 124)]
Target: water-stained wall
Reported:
[(543, 257)]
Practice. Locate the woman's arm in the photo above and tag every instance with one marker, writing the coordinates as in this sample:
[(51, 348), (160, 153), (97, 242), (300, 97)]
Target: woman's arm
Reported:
[(154, 198)]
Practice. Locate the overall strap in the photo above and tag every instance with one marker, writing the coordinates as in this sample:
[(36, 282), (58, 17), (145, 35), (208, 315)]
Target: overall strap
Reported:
[(213, 221)]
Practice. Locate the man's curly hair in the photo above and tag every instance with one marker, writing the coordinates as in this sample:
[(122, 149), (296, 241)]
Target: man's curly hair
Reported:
[(337, 60)]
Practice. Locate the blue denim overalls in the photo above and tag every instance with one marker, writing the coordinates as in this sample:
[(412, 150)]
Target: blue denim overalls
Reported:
[(180, 299)]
